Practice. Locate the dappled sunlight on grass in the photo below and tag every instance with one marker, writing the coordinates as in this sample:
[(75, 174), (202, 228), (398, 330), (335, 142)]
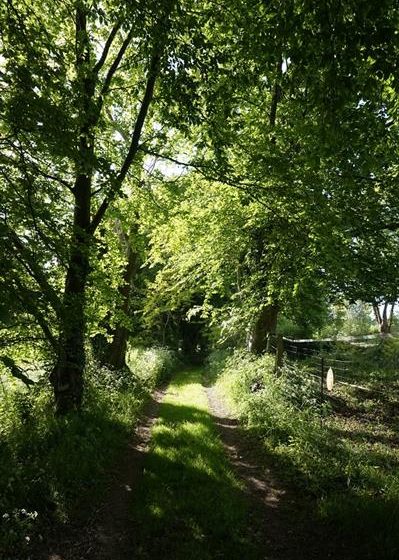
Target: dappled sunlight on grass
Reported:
[(190, 504)]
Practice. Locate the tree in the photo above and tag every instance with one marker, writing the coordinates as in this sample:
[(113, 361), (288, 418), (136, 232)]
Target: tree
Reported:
[(303, 128), (384, 319), (275, 100), (74, 68)]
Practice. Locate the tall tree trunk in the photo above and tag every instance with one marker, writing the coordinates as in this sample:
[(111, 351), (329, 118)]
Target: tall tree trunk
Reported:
[(384, 319), (118, 346), (264, 325), (384, 326), (391, 316), (266, 321), (67, 376)]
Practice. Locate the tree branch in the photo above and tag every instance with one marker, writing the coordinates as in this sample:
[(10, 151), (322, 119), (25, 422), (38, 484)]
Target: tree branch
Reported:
[(107, 47), (113, 68), (160, 33), (16, 371), (34, 270), (207, 173), (134, 144)]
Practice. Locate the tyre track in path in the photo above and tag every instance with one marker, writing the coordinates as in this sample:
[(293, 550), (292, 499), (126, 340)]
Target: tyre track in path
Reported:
[(281, 521), (108, 533)]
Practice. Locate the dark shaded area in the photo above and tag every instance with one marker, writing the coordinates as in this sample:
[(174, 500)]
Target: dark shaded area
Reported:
[(54, 470), (346, 524), (193, 341), (35, 478), (284, 519), (188, 337), (102, 531)]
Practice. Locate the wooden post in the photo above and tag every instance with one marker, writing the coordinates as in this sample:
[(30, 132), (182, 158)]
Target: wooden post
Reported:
[(321, 390), (279, 353)]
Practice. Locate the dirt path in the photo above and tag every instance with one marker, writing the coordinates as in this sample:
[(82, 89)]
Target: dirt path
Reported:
[(107, 535), (281, 521)]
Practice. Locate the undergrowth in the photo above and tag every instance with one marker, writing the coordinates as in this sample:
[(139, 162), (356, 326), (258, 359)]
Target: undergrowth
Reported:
[(50, 465), (348, 463)]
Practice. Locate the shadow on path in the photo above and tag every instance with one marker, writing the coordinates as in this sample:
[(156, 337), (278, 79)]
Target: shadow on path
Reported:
[(283, 523), (107, 534), (190, 505), (193, 486)]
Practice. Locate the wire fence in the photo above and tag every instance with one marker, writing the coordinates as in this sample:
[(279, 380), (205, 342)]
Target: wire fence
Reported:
[(324, 368)]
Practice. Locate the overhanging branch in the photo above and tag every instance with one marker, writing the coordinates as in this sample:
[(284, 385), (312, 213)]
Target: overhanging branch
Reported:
[(28, 261), (134, 143), (107, 47)]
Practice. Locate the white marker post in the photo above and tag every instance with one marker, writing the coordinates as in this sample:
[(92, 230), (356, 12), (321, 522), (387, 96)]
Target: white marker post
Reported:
[(330, 379)]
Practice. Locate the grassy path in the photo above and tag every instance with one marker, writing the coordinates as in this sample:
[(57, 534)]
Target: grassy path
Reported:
[(189, 504), (193, 485)]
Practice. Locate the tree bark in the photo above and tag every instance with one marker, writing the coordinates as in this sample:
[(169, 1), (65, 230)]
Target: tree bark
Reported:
[(118, 346), (264, 325), (67, 376), (384, 319), (384, 326)]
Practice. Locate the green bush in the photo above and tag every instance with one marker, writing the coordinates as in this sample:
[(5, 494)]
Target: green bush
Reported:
[(151, 365), (50, 465), (249, 379)]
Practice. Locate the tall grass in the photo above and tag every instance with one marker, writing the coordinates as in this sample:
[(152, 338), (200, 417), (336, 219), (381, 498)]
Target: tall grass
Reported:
[(51, 467), (350, 468)]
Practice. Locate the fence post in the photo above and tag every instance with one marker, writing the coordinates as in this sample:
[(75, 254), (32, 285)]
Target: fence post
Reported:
[(321, 391), (279, 353)]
